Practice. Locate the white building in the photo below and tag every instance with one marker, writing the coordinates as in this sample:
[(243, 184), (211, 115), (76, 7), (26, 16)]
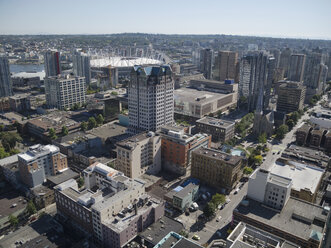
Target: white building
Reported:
[(64, 91), (151, 98), (81, 66)]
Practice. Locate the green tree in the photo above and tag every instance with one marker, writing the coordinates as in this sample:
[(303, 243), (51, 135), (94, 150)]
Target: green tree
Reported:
[(209, 210), (9, 140), (218, 199), (262, 138), (83, 126), (3, 153), (100, 119), (114, 93), (248, 170), (290, 123), (13, 220), (31, 208), (295, 116), (64, 130), (2, 127), (80, 182), (281, 131), (92, 123), (52, 133)]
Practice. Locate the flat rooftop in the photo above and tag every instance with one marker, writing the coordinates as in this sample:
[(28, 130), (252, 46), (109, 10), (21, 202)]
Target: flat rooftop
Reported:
[(174, 240), (297, 217), (216, 122), (219, 155), (108, 130), (196, 96), (306, 153), (131, 142), (62, 177), (303, 176)]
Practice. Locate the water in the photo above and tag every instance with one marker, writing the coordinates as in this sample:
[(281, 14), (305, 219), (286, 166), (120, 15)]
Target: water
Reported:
[(26, 68)]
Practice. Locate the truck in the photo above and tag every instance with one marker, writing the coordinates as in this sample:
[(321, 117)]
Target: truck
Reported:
[(194, 206)]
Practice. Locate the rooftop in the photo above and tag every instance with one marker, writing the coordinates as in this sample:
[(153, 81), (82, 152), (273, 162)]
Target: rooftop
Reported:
[(196, 96), (131, 142), (303, 176), (123, 62), (216, 154), (216, 122), (297, 217), (174, 240), (108, 130), (183, 192), (37, 151), (62, 177), (9, 160)]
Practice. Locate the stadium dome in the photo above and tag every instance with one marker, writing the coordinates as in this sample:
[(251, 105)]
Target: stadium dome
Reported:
[(123, 62)]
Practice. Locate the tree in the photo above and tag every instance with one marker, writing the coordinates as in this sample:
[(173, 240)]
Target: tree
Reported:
[(64, 130), (248, 170), (295, 116), (9, 140), (218, 199), (80, 182), (31, 208), (52, 133), (281, 131), (100, 119), (290, 123), (13, 220), (3, 153), (209, 210), (262, 138), (92, 123), (258, 159), (83, 126)]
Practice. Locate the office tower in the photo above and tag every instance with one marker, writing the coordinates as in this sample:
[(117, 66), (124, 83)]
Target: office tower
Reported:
[(81, 66), (151, 98), (313, 74), (297, 67), (253, 76), (227, 62), (52, 63), (64, 91), (206, 62), (5, 80), (276, 54), (329, 66), (285, 60), (291, 96), (270, 79), (40, 162), (144, 151)]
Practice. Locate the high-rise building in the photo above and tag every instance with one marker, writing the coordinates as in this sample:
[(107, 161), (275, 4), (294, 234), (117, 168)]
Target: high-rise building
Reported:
[(276, 54), (291, 96), (64, 91), (227, 62), (253, 75), (52, 63), (297, 67), (151, 98), (5, 80), (206, 62), (40, 162), (312, 76), (81, 66), (284, 62)]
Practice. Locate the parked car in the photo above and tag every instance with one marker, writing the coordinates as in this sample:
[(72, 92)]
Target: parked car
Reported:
[(196, 237), (219, 234)]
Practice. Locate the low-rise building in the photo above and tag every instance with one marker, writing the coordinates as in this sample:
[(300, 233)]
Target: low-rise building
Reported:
[(175, 240), (216, 168), (302, 134), (10, 171), (19, 103), (182, 198), (139, 154), (4, 104), (177, 147), (219, 129), (291, 96), (42, 196)]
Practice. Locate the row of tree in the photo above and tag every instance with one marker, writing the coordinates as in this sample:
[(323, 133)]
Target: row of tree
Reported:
[(211, 207), (244, 124)]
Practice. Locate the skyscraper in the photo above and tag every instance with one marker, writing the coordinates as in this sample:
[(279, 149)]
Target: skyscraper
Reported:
[(151, 98), (285, 60), (52, 63), (227, 62), (81, 66), (5, 80), (297, 67), (206, 62), (312, 74), (253, 76), (64, 91)]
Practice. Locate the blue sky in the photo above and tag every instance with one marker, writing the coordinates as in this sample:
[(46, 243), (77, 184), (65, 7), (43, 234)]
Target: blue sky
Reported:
[(275, 18)]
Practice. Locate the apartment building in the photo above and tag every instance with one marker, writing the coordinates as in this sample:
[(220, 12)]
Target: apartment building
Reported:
[(139, 154), (177, 147), (216, 168), (291, 96), (40, 162)]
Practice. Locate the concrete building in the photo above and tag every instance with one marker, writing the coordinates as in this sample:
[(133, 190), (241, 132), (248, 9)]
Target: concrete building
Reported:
[(19, 103), (216, 168), (224, 87), (177, 147), (81, 66), (151, 98), (40, 162), (52, 62), (221, 130), (182, 199), (10, 171), (302, 134), (4, 104), (285, 58), (291, 96), (313, 74), (297, 67), (112, 207), (5, 80), (175, 240), (226, 63), (139, 154), (206, 62), (63, 91), (197, 104)]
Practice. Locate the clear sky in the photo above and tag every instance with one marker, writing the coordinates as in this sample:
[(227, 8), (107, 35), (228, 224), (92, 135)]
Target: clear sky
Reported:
[(275, 18)]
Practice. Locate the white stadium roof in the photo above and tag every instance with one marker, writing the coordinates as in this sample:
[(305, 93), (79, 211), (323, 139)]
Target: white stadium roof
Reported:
[(123, 62)]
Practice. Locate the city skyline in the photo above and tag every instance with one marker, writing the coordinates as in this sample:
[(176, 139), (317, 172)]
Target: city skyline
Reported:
[(287, 19)]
